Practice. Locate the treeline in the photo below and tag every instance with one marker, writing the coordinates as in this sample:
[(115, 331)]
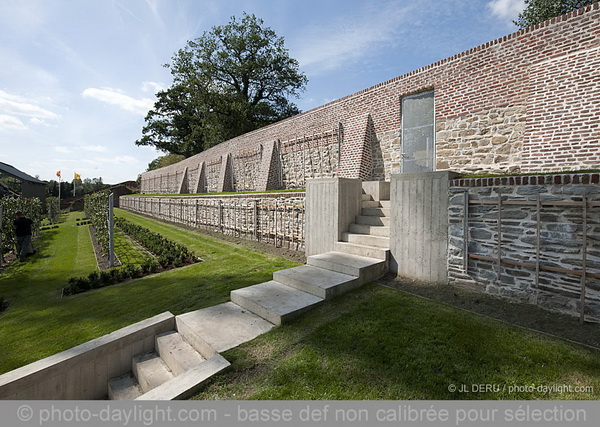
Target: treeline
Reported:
[(82, 187)]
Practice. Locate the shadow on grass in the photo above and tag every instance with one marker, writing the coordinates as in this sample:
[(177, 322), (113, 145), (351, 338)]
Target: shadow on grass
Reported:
[(378, 343)]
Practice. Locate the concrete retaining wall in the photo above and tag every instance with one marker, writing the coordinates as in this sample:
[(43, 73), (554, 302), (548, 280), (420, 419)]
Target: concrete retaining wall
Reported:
[(419, 225), (82, 372), (331, 206)]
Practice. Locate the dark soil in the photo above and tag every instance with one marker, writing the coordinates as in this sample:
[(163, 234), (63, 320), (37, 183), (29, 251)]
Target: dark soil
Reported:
[(101, 258), (520, 314)]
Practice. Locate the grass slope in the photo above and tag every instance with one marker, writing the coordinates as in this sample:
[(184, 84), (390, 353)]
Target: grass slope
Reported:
[(379, 343), (39, 323)]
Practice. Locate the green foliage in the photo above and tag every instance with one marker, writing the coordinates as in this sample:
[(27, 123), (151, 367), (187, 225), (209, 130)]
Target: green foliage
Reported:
[(53, 208), (96, 209), (166, 160), (32, 208), (232, 80), (537, 11), (167, 251)]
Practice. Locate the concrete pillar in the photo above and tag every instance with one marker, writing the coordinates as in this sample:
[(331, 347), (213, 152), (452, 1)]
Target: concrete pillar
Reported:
[(269, 176), (182, 185), (331, 206), (419, 225)]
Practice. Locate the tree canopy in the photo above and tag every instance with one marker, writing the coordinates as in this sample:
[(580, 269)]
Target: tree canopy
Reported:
[(166, 160), (537, 11), (232, 80)]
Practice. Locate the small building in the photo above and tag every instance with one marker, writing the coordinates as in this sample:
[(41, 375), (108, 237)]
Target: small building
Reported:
[(29, 186)]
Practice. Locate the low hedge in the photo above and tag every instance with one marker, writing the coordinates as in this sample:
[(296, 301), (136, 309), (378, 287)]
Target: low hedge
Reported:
[(169, 254)]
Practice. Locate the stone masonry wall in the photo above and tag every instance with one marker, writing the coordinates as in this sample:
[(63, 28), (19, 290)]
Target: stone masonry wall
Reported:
[(527, 102), (561, 237), (274, 218)]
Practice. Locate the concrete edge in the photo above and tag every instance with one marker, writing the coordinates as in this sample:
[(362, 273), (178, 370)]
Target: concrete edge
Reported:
[(58, 365), (186, 384)]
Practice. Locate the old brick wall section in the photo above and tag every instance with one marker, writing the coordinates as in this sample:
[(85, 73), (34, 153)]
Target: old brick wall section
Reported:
[(498, 106)]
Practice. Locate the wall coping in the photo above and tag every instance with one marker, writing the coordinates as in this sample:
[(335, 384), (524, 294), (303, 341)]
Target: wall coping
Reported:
[(552, 179), (286, 194)]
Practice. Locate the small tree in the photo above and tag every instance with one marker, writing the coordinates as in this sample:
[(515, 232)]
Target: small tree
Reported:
[(537, 11)]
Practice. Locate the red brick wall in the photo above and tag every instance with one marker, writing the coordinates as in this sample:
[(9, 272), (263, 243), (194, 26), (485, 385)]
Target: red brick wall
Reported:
[(550, 71)]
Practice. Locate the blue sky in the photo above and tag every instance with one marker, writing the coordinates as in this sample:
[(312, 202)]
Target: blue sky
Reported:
[(77, 77)]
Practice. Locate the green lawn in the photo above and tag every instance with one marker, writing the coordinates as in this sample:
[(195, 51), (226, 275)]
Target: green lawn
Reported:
[(38, 323), (380, 343), (373, 343)]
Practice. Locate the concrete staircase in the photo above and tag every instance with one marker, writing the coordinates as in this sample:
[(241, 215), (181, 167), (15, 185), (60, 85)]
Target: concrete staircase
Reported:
[(361, 256), (185, 358), (173, 370)]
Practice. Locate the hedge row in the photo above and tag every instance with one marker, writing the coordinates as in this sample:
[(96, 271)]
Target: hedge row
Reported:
[(96, 210), (32, 208), (164, 249), (169, 254)]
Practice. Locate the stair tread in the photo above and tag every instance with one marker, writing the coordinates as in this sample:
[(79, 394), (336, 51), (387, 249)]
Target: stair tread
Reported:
[(358, 245), (177, 353), (315, 275), (124, 387), (187, 383), (347, 259), (150, 370), (224, 326), (277, 298)]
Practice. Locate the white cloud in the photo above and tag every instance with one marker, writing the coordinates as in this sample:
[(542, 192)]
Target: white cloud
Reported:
[(10, 122), (62, 149), (20, 106), (506, 9), (119, 99), (152, 87), (351, 37), (96, 148)]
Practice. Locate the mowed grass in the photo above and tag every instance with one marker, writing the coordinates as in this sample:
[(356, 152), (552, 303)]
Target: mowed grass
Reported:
[(380, 343), (39, 323)]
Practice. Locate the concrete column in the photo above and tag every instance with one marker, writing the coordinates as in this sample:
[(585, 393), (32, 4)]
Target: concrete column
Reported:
[(201, 186), (419, 225), (226, 175), (331, 206)]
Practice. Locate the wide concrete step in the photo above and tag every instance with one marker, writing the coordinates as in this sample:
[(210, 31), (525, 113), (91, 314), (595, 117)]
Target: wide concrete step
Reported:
[(177, 353), (220, 328), (316, 281), (376, 204), (367, 240), (376, 212), (365, 268), (274, 301), (366, 197), (189, 382), (373, 230), (150, 370), (124, 387), (362, 250), (373, 220)]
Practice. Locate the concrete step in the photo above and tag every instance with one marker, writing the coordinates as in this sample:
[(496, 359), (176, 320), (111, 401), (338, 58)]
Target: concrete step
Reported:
[(366, 197), (365, 268), (177, 354), (274, 301), (376, 204), (186, 384), (373, 230), (373, 220), (124, 387), (220, 328), (367, 240), (316, 281), (376, 212), (150, 370), (362, 250)]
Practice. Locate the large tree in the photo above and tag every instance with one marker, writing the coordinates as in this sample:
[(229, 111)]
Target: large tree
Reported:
[(537, 11), (232, 80)]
